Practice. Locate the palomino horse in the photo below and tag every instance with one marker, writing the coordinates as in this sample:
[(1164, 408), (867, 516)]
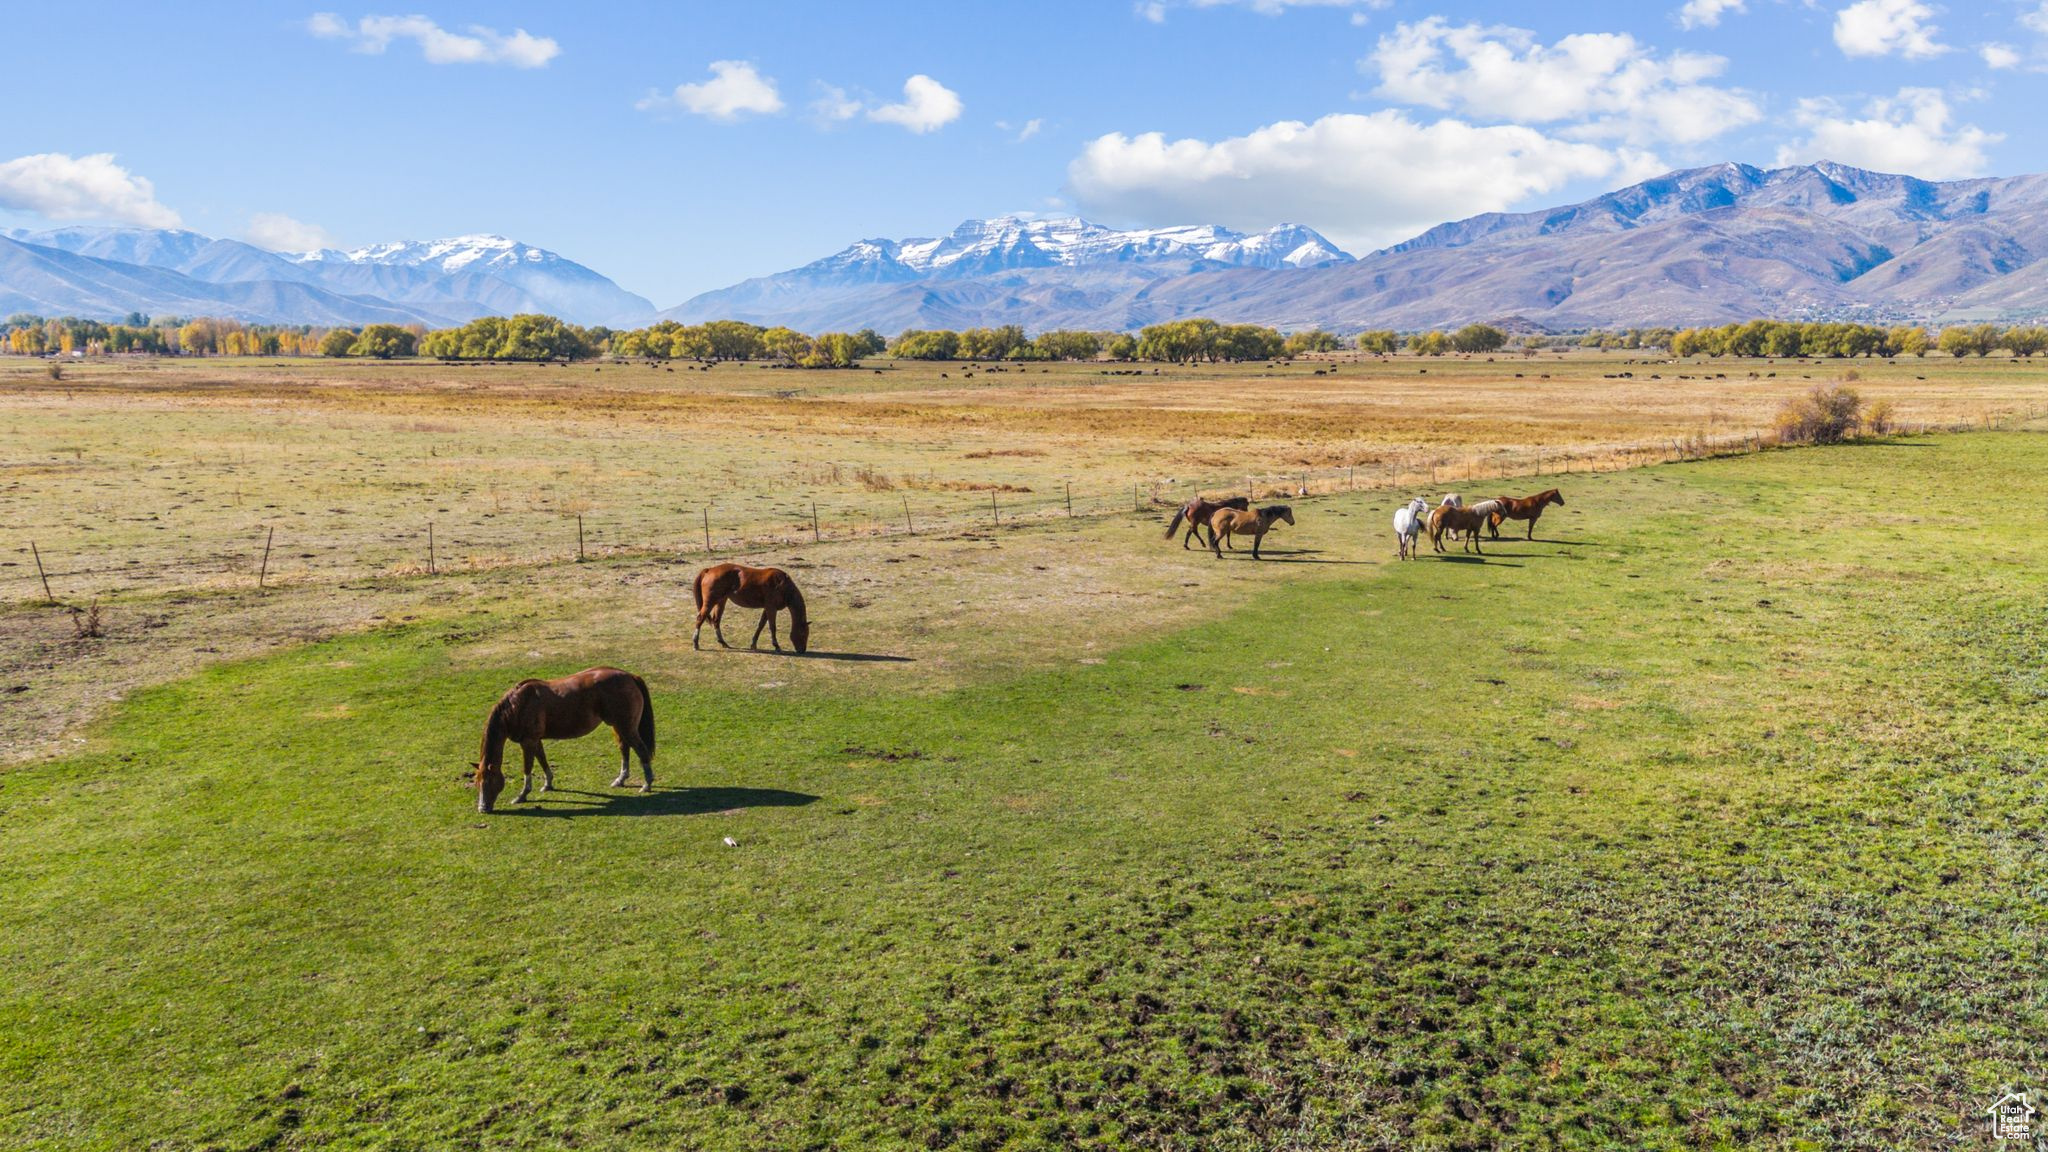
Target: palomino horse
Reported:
[(1408, 525), (537, 710), (1228, 522), (1528, 508), (1197, 512), (1487, 508), (769, 589), (1461, 520)]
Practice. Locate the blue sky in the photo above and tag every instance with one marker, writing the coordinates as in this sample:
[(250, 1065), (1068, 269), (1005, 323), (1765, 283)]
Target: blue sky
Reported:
[(681, 147)]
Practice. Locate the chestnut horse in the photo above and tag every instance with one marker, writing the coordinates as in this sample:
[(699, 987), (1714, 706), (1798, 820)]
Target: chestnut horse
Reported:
[(769, 589), (1228, 522), (1528, 508), (1198, 512), (1464, 521), (537, 710)]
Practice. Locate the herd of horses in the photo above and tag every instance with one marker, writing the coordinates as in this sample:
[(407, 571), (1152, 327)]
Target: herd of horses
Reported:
[(536, 711), (1236, 517)]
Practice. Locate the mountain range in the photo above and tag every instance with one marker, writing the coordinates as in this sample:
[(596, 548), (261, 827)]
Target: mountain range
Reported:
[(108, 272), (1701, 246)]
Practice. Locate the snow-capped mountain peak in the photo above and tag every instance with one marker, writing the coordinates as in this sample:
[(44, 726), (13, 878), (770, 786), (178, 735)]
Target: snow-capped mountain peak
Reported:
[(981, 247), (452, 254)]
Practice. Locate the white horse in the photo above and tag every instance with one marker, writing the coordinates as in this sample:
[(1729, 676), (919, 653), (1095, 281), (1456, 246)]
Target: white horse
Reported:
[(1408, 526)]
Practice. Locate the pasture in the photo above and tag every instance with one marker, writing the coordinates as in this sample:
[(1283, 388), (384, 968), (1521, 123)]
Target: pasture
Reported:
[(1708, 818)]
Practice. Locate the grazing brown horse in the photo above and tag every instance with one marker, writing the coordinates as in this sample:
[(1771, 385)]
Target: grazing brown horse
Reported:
[(1198, 512), (1466, 522), (1528, 508), (537, 710), (769, 589), (1228, 522)]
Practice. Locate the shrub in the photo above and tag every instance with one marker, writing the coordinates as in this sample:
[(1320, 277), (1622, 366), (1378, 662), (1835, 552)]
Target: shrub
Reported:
[(1879, 419), (1829, 414)]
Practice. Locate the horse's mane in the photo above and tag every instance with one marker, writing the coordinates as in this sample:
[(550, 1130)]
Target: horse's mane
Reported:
[(1272, 510), (498, 727)]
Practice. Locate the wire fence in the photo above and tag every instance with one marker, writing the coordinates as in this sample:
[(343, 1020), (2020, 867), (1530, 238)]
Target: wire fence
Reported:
[(274, 556)]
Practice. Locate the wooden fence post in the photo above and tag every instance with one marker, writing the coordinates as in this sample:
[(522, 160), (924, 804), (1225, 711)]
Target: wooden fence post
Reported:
[(40, 574), (431, 569), (995, 513), (579, 537), (908, 526), (816, 536), (707, 529), (1069, 488), (264, 572)]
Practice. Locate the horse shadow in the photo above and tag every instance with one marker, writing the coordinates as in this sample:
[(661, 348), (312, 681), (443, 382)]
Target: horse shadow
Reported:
[(1468, 558), (1301, 556), (662, 802), (842, 657), (861, 657)]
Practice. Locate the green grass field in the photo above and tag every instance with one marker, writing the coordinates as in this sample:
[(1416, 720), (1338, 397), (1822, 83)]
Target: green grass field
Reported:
[(1713, 818)]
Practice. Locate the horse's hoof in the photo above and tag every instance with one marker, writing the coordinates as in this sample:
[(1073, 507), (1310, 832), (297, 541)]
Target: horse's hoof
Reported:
[(646, 788)]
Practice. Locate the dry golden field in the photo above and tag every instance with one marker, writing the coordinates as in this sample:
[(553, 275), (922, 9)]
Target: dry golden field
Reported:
[(158, 475)]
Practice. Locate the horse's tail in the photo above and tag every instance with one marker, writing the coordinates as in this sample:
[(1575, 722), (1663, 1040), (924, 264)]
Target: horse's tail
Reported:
[(646, 718), (1173, 525), (697, 592)]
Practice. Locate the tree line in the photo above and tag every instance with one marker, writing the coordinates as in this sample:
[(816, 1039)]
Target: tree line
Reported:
[(1822, 340), (537, 337)]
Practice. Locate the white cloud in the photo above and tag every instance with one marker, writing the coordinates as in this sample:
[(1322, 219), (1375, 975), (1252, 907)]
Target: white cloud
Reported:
[(1706, 13), (1999, 55), (835, 105), (56, 186), (1365, 180), (1031, 128), (280, 233), (2037, 20), (926, 107), (734, 90), (1910, 133), (1886, 28), (373, 34), (1605, 85)]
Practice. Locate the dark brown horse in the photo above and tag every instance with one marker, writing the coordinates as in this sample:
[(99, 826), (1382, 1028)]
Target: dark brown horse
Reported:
[(537, 710), (1228, 522), (769, 589), (1528, 508), (1198, 512)]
